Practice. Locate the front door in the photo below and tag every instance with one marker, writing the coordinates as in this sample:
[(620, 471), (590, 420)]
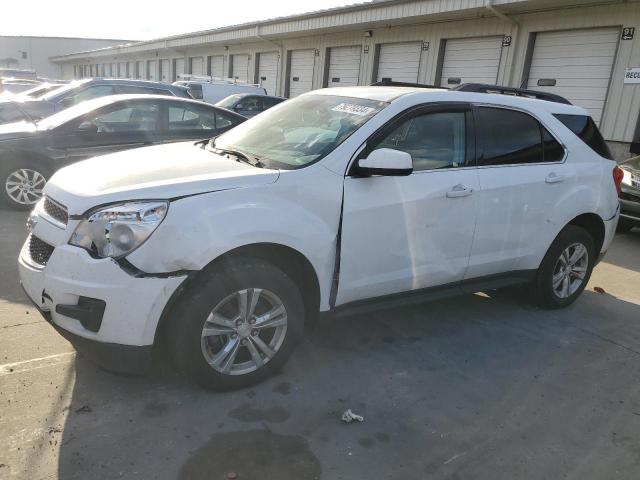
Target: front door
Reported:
[(407, 233), (117, 127)]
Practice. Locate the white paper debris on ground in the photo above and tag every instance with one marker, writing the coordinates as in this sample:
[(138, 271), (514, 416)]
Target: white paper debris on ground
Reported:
[(348, 416)]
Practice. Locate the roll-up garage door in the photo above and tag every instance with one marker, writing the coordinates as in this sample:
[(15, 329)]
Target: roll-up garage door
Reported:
[(576, 64), (179, 66), (399, 61), (268, 71), (152, 70), (216, 66), (122, 69), (301, 72), (139, 69), (197, 66), (344, 66), (165, 71), (240, 67), (471, 60), (131, 69)]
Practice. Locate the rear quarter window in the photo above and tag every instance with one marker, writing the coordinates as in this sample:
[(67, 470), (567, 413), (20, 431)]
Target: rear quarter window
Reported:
[(585, 128)]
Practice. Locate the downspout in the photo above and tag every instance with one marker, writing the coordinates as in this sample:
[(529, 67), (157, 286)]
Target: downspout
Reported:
[(489, 6)]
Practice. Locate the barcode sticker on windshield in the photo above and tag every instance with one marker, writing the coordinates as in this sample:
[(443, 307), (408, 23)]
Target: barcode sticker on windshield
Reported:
[(353, 109)]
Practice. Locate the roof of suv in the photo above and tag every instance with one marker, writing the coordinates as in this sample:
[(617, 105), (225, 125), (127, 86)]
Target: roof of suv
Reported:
[(52, 96), (424, 95)]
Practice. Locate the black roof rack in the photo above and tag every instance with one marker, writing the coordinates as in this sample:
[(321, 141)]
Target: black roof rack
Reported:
[(387, 82), (517, 92)]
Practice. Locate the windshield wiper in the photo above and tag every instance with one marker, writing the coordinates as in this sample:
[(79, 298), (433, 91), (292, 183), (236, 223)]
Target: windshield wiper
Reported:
[(241, 157)]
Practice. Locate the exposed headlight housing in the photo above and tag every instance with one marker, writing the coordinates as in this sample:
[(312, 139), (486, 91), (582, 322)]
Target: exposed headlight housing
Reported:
[(119, 229)]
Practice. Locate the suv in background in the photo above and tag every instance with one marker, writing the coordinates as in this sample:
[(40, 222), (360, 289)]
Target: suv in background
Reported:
[(338, 201), (630, 195), (14, 110), (249, 105)]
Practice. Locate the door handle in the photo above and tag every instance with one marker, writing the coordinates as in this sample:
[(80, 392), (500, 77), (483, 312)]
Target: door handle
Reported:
[(554, 178), (459, 191)]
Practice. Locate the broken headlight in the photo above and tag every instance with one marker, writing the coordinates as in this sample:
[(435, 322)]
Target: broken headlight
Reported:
[(119, 229)]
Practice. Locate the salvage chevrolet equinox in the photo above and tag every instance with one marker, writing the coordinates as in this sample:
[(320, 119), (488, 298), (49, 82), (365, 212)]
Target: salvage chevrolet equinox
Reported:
[(338, 201)]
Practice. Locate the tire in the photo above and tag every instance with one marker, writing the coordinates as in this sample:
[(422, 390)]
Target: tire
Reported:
[(624, 225), (554, 264), (22, 184), (202, 359)]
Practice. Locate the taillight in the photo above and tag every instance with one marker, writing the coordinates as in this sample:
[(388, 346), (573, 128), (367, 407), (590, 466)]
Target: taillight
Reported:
[(618, 175)]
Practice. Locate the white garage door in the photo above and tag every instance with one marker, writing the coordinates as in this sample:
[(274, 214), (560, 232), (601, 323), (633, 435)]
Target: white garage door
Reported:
[(122, 69), (301, 72), (139, 69), (179, 64), (268, 71), (399, 61), (152, 70), (216, 65), (471, 60), (344, 66), (131, 70), (240, 67), (165, 71), (197, 66), (576, 64)]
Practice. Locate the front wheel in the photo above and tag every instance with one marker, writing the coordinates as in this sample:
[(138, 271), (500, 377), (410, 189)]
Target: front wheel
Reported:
[(22, 185), (565, 269), (237, 326)]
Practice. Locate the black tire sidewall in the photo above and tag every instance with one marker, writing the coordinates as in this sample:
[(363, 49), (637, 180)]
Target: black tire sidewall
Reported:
[(5, 171), (204, 294), (546, 297)]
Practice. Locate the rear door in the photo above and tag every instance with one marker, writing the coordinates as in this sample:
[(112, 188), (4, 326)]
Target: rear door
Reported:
[(522, 176), (117, 127), (191, 121), (401, 234)]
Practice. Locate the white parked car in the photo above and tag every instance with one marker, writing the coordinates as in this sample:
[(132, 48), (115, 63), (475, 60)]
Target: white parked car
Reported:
[(340, 200)]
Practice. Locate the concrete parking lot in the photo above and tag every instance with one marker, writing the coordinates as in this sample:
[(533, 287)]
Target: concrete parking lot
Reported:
[(478, 387)]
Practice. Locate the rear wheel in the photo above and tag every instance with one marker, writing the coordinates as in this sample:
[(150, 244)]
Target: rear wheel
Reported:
[(237, 326), (22, 185), (565, 269)]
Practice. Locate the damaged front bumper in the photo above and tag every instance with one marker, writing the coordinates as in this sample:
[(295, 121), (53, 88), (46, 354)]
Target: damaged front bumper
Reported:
[(97, 305)]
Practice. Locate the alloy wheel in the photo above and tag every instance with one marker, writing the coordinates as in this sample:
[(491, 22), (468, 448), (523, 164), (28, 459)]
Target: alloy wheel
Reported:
[(24, 186), (244, 331), (570, 270)]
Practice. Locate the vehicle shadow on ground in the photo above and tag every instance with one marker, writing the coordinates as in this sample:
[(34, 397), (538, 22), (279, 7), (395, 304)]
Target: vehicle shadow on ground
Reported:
[(12, 235), (481, 386)]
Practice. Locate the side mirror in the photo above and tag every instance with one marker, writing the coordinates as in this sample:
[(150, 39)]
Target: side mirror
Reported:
[(88, 127), (385, 161)]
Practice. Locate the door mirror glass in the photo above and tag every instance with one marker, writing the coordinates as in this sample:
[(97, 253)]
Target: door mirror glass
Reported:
[(385, 161), (88, 127)]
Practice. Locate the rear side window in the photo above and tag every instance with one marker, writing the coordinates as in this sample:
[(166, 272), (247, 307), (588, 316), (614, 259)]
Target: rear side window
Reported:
[(585, 128), (511, 138), (195, 90)]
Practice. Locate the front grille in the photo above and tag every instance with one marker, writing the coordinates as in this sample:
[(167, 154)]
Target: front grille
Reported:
[(39, 251), (56, 211)]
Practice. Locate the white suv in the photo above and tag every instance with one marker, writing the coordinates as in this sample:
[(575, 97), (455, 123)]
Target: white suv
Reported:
[(340, 200)]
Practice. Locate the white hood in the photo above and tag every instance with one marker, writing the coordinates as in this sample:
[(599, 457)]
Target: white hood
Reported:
[(158, 172)]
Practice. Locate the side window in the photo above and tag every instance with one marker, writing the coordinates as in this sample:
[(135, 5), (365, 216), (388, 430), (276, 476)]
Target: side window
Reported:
[(10, 113), (222, 121), (190, 117), (585, 128), (250, 104), (140, 90), (434, 140), (509, 137), (88, 93), (142, 117), (270, 102), (553, 151)]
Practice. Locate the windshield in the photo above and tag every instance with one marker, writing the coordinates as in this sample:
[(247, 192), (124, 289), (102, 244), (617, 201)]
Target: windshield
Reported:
[(228, 102), (54, 95), (299, 132)]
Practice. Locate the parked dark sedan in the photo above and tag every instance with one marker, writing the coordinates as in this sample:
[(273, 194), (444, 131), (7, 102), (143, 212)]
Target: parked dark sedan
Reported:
[(31, 151), (630, 195), (248, 104), (14, 110)]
